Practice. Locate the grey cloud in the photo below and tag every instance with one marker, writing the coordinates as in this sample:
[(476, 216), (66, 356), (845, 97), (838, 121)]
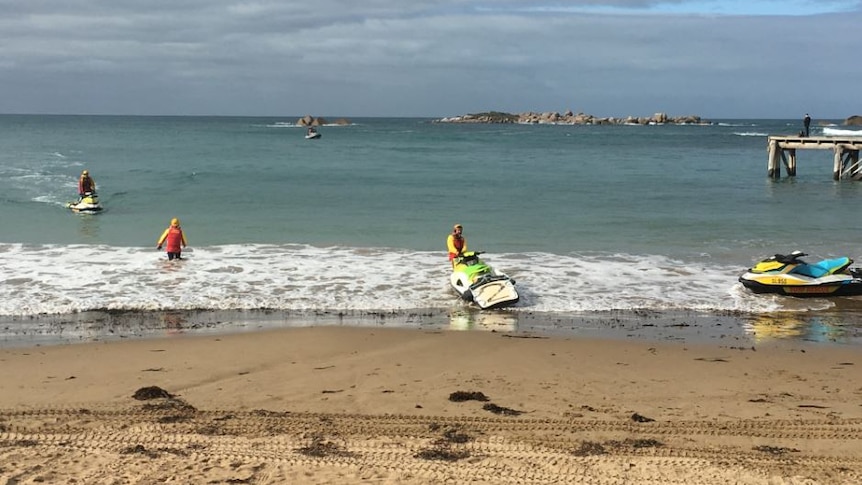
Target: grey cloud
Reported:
[(424, 58)]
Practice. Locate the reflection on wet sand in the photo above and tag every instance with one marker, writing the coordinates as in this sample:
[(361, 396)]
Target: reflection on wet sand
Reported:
[(483, 320), (796, 326)]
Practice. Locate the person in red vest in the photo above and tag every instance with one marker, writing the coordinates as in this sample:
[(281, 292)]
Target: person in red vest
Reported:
[(456, 243), (86, 184), (174, 239)]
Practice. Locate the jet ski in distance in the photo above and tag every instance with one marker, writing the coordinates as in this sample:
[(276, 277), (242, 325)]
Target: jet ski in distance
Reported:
[(475, 281), (88, 204), (789, 275)]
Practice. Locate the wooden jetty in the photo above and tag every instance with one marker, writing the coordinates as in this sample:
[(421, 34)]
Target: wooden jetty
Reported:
[(845, 149)]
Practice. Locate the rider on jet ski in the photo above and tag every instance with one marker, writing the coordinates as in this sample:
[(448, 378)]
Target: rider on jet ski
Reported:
[(86, 184), (456, 243)]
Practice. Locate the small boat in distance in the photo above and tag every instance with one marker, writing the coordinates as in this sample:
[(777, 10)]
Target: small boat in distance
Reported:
[(312, 133)]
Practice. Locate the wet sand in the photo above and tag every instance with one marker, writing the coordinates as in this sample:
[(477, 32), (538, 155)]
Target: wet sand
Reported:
[(843, 327), (373, 404)]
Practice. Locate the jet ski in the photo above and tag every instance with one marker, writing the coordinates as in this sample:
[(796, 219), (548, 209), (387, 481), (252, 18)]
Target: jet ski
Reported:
[(790, 275), (88, 204), (312, 134), (475, 281)]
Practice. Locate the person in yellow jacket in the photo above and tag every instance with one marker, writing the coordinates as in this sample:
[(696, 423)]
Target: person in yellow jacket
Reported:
[(456, 243), (174, 239)]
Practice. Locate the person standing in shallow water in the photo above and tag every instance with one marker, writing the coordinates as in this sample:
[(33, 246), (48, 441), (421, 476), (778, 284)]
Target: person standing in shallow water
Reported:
[(806, 122), (174, 240), (456, 243)]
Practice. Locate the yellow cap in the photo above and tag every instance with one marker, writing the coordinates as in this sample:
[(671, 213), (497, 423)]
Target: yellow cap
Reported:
[(85, 172), (175, 222), (457, 226)]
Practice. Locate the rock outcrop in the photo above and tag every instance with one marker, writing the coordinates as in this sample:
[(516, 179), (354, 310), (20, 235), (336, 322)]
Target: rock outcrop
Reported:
[(854, 120), (569, 118), (309, 120)]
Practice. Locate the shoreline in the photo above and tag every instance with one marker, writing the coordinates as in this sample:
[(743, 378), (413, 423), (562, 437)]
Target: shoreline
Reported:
[(684, 326), (109, 325), (427, 406)]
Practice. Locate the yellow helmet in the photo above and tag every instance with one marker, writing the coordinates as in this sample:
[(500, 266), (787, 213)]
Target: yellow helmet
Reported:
[(457, 226), (85, 173), (175, 222)]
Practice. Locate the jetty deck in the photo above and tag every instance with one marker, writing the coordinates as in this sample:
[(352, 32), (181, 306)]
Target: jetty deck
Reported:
[(845, 149)]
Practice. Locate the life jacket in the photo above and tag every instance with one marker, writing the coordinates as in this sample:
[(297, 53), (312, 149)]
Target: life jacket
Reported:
[(174, 239), (458, 244), (85, 184)]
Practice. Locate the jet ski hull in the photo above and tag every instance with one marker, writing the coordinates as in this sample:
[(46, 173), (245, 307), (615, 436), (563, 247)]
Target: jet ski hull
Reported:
[(803, 289), (89, 204), (496, 293), (87, 209)]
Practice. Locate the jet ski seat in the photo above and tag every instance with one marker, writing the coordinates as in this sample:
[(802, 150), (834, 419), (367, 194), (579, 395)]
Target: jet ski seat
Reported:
[(823, 268), (811, 270)]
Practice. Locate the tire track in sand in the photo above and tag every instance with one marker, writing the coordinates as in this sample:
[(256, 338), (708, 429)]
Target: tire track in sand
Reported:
[(434, 449)]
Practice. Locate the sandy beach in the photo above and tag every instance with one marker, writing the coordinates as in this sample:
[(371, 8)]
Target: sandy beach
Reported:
[(415, 406)]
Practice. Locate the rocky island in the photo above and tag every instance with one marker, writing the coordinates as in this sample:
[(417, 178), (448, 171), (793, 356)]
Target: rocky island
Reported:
[(309, 120), (569, 118)]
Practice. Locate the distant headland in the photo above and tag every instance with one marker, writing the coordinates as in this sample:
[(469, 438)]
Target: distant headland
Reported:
[(569, 118)]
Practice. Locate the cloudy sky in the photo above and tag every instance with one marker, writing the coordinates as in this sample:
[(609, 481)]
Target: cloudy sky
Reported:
[(434, 58)]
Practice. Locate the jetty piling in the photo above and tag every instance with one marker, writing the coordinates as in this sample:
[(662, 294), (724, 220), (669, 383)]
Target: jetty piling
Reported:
[(782, 150)]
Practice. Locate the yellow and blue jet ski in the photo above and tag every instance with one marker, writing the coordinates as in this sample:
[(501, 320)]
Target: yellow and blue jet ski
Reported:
[(475, 281), (787, 274)]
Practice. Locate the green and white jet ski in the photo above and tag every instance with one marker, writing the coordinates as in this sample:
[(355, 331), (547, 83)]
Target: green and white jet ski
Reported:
[(475, 281)]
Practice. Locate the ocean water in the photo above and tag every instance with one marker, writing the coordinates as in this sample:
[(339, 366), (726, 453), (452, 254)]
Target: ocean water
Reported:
[(586, 218)]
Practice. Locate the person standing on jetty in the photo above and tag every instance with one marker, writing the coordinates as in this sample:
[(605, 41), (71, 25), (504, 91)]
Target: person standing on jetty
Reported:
[(806, 122), (174, 238), (456, 243)]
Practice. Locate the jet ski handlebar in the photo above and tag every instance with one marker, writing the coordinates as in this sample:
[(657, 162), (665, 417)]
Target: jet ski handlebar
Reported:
[(789, 258), (468, 256)]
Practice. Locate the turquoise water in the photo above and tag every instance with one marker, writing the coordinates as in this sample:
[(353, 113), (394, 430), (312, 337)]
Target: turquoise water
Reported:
[(674, 190), (587, 218)]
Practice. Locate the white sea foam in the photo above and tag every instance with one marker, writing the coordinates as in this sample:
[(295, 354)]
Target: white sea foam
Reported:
[(841, 132), (750, 133), (57, 279)]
